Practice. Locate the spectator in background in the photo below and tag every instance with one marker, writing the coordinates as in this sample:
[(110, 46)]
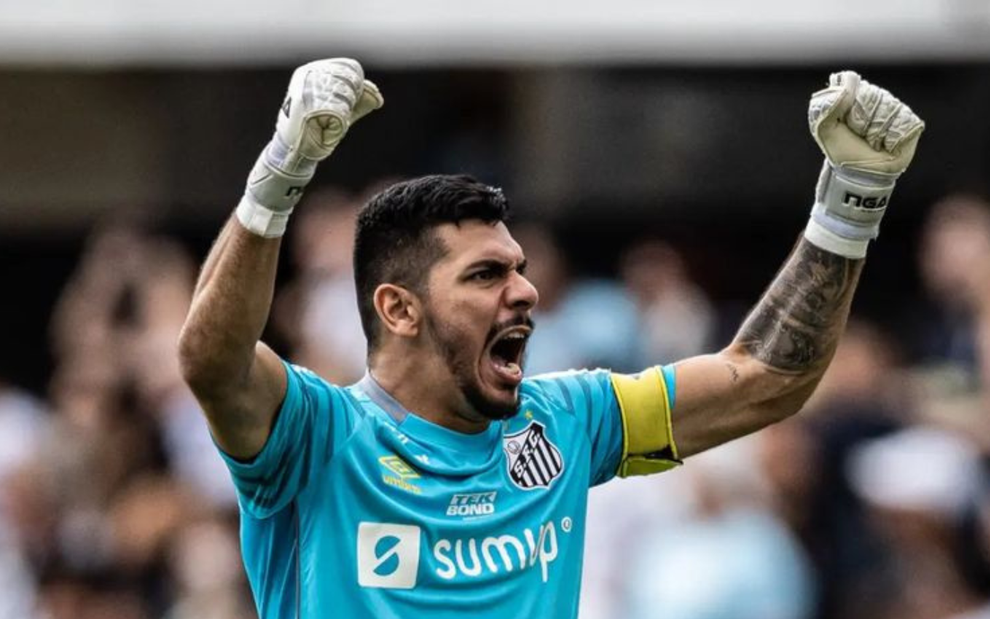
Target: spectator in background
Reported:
[(954, 261), (317, 313), (585, 323), (205, 560), (918, 484), (676, 315), (733, 557)]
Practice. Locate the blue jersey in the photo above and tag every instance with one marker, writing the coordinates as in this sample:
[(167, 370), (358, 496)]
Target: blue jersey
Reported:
[(356, 507)]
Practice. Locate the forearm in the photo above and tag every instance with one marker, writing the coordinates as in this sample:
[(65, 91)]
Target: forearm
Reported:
[(229, 310), (795, 327)]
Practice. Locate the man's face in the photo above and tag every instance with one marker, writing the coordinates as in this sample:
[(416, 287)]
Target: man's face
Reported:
[(478, 314)]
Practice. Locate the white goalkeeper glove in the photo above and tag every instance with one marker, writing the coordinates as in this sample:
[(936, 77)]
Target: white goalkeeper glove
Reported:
[(868, 138), (324, 99)]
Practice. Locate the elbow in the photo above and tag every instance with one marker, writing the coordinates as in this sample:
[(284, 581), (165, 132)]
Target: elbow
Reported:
[(201, 369), (787, 405), (784, 406), (193, 363)]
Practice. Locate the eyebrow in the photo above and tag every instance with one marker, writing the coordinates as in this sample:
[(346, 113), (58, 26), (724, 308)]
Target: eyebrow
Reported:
[(495, 263)]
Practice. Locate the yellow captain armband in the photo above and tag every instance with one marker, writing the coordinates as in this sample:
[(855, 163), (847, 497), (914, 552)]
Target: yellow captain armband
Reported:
[(647, 434)]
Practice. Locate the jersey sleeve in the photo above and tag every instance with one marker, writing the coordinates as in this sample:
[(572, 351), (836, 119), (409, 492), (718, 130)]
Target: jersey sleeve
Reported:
[(314, 418), (589, 396)]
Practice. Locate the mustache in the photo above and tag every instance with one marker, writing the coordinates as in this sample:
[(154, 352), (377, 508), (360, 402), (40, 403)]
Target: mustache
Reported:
[(522, 320)]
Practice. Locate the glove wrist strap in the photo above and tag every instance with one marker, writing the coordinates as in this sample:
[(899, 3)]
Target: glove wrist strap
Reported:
[(261, 220), (849, 205), (820, 236)]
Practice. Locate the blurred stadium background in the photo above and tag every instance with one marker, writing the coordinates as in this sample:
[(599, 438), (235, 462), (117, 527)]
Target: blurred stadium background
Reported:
[(658, 159)]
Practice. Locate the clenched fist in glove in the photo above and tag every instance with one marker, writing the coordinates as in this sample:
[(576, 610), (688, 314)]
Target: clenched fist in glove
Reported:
[(868, 137), (325, 98)]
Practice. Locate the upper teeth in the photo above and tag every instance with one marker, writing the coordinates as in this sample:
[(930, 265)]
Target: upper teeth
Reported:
[(515, 336)]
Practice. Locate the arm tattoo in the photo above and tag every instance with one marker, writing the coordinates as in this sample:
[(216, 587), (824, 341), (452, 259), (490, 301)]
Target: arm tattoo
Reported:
[(796, 325)]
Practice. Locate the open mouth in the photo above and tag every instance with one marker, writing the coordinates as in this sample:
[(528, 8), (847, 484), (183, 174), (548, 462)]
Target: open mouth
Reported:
[(506, 352)]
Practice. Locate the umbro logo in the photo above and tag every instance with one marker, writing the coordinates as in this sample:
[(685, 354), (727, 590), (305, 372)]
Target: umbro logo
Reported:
[(399, 474), (287, 106)]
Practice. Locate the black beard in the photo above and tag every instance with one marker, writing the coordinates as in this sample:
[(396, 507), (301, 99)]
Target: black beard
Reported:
[(462, 369)]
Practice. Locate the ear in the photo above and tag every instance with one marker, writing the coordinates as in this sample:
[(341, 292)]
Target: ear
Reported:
[(399, 310)]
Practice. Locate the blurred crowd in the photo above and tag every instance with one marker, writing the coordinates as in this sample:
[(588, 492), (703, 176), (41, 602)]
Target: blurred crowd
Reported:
[(871, 504)]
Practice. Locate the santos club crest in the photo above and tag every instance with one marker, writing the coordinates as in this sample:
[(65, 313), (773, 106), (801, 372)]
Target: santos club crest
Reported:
[(533, 460)]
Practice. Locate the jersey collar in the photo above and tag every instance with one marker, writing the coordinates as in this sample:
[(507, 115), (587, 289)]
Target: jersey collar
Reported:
[(426, 431)]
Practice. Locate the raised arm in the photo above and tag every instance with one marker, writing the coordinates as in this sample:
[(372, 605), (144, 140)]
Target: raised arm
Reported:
[(237, 379), (789, 338)]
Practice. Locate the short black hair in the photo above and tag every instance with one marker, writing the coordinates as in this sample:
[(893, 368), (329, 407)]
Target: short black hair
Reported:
[(396, 242)]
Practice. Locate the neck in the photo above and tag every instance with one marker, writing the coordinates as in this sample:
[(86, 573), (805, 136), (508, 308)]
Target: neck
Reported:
[(426, 389)]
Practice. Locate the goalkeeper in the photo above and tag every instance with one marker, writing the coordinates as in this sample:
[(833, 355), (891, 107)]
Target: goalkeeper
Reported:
[(445, 483)]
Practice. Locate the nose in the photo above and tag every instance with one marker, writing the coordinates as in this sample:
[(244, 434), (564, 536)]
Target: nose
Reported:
[(521, 293)]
